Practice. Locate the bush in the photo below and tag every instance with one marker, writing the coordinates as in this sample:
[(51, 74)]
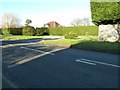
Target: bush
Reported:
[(6, 31), (16, 31), (42, 31), (79, 30), (29, 31), (71, 36), (105, 12)]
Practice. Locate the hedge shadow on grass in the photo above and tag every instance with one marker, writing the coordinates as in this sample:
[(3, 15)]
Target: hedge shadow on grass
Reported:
[(106, 47)]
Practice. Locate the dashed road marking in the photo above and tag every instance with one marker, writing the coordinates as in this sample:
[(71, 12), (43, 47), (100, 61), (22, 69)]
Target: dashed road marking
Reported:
[(86, 62), (96, 62)]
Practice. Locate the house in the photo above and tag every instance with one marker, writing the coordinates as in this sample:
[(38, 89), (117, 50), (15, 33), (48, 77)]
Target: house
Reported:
[(52, 24)]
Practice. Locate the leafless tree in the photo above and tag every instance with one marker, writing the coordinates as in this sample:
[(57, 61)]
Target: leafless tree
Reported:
[(9, 21), (76, 22), (81, 22), (86, 21)]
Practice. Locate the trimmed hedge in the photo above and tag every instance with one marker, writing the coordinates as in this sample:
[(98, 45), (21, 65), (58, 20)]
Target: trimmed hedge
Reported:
[(79, 30), (105, 12), (42, 31), (29, 31), (6, 31), (16, 31), (12, 31)]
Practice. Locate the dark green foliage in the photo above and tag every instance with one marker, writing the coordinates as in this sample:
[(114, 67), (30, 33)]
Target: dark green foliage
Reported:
[(42, 31), (16, 31), (27, 22), (6, 31), (1, 32), (29, 31), (71, 36), (79, 30), (105, 12)]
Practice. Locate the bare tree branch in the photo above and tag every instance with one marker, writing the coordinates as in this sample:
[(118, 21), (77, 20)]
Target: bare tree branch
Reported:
[(80, 22), (9, 21)]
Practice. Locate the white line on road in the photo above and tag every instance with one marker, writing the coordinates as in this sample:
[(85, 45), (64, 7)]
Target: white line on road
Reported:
[(32, 58), (86, 62), (112, 65), (37, 50)]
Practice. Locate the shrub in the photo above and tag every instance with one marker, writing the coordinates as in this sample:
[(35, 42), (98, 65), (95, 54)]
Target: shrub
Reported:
[(105, 12), (29, 31), (6, 31), (16, 31), (42, 31), (71, 36)]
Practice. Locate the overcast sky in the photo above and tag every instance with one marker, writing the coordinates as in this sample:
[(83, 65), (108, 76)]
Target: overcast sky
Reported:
[(43, 11)]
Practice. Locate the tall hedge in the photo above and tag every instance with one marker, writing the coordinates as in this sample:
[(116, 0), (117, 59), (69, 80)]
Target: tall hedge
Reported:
[(105, 12), (79, 30), (6, 31), (16, 31), (29, 31), (42, 31)]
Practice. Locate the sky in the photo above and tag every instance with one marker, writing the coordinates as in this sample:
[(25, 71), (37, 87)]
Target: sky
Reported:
[(44, 11)]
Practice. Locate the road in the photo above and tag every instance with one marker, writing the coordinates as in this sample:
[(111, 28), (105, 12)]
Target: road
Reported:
[(31, 65)]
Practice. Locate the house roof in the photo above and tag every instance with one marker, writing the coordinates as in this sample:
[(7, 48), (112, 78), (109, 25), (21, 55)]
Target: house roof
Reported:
[(53, 22)]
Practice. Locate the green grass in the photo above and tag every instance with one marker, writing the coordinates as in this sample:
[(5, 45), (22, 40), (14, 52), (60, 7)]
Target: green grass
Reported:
[(106, 47), (18, 37), (86, 43), (83, 42), (62, 42)]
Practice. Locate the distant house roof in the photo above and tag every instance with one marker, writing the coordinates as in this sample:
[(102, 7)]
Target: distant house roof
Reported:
[(53, 24)]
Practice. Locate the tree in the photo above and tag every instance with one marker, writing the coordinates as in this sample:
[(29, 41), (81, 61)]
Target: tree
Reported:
[(76, 22), (86, 21), (106, 13), (9, 21), (80, 22), (27, 22)]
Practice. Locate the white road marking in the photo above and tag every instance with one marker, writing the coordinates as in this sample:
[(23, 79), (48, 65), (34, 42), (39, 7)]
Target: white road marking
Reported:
[(108, 64), (32, 58), (37, 50), (86, 62)]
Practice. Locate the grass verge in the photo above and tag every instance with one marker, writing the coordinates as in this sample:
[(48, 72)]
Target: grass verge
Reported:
[(106, 47), (89, 43)]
